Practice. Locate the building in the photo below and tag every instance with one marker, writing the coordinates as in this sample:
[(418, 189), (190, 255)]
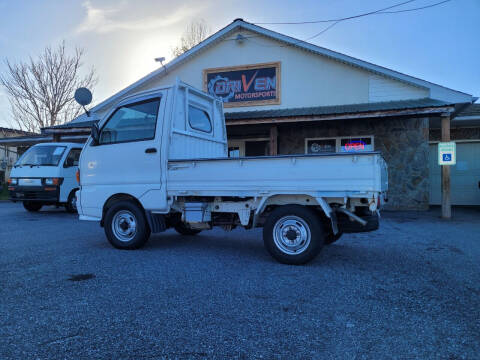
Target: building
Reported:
[(8, 153), (285, 96)]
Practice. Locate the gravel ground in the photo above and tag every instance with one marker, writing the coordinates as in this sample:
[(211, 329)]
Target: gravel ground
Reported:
[(408, 291)]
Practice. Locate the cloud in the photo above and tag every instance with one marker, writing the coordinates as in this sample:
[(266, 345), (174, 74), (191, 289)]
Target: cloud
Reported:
[(108, 19)]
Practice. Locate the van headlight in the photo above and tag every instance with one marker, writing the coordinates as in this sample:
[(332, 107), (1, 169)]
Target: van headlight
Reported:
[(52, 181), (12, 181)]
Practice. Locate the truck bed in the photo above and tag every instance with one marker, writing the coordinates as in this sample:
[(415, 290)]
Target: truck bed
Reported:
[(332, 174)]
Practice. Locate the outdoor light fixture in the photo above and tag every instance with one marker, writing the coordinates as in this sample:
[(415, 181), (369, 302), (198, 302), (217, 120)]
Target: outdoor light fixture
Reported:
[(240, 39)]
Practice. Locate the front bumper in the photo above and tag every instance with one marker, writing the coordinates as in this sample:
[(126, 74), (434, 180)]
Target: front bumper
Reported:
[(47, 194)]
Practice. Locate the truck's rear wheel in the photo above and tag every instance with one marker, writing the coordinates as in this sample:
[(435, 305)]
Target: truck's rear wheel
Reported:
[(293, 234), (126, 226), (185, 229), (32, 206)]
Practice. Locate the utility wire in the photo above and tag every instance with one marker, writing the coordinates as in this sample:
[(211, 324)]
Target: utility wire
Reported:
[(334, 20), (414, 9), (379, 11)]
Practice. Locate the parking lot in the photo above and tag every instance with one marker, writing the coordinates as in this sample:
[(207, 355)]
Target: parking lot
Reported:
[(409, 290)]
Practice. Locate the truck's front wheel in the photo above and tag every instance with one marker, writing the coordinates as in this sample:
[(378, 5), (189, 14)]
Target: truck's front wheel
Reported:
[(293, 234), (126, 226)]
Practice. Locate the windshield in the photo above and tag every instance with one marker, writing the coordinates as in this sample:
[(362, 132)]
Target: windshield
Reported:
[(44, 155)]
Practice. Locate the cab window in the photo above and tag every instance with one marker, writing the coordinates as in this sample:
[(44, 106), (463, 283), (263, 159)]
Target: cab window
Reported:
[(133, 122), (199, 119)]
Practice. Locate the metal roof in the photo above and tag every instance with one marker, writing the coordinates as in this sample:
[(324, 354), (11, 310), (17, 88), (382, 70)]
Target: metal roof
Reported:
[(73, 125), (336, 109), (305, 111), (472, 110)]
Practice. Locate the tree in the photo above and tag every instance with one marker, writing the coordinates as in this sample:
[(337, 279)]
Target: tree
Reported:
[(41, 90), (196, 32)]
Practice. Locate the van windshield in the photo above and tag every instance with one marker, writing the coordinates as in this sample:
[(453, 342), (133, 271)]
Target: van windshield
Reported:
[(44, 155)]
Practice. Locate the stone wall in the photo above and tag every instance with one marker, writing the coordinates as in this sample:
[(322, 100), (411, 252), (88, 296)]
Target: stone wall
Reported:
[(402, 142)]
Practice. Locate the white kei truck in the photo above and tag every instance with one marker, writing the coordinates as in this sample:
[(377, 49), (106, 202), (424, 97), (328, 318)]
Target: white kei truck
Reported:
[(46, 175), (158, 160)]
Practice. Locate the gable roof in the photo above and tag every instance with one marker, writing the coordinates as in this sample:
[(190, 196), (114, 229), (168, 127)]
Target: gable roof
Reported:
[(436, 91)]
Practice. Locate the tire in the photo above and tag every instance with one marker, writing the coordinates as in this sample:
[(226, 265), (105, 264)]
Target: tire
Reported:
[(125, 225), (331, 238), (71, 205), (184, 229), (32, 206), (289, 224)]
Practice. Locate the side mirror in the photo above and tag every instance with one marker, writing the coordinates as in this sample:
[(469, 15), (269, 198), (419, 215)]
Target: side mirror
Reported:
[(69, 162), (95, 134)]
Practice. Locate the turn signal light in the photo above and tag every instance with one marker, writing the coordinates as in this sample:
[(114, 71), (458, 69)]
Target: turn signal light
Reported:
[(77, 174)]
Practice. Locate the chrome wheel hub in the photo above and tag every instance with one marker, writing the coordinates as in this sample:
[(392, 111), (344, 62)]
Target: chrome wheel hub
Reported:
[(291, 235), (124, 225)]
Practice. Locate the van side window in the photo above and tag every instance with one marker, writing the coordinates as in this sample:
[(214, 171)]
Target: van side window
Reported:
[(199, 119), (133, 122), (72, 158)]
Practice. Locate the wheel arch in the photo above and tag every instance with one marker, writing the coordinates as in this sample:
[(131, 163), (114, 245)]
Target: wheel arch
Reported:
[(118, 197)]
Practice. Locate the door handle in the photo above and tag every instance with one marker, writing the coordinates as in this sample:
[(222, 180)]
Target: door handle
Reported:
[(151, 150)]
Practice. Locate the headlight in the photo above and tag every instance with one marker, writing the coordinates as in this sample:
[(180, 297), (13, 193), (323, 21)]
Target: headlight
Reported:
[(52, 181), (12, 181)]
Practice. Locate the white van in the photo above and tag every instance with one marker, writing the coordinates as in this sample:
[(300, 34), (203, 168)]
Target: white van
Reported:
[(46, 175)]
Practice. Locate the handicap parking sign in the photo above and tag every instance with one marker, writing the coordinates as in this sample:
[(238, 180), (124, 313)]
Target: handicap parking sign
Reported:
[(447, 153)]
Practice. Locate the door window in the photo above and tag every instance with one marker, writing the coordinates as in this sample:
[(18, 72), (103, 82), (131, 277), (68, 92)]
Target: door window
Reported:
[(72, 158), (133, 122)]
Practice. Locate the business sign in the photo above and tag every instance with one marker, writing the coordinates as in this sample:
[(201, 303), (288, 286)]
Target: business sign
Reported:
[(247, 85), (447, 154)]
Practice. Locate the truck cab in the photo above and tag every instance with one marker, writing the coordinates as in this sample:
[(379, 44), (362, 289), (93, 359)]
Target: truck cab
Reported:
[(46, 175)]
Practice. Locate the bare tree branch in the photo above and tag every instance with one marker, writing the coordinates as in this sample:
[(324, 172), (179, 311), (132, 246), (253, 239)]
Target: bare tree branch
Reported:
[(41, 90), (196, 32)]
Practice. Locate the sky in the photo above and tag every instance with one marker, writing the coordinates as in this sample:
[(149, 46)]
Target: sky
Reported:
[(121, 38)]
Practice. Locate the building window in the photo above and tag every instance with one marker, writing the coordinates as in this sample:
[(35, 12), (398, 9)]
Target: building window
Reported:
[(339, 144)]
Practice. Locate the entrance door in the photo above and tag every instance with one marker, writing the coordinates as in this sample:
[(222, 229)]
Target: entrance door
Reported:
[(465, 175)]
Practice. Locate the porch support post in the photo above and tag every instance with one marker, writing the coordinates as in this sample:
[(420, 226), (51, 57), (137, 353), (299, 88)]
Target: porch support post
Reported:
[(446, 201), (273, 140)]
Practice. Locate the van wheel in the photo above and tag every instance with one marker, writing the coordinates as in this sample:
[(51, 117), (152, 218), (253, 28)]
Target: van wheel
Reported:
[(185, 229), (331, 238), (293, 234), (126, 226), (71, 205), (32, 206)]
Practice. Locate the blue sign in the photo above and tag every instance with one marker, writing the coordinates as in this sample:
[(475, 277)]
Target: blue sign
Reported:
[(447, 157)]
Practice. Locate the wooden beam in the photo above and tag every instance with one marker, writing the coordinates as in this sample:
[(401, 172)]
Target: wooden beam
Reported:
[(446, 200), (348, 116), (273, 140)]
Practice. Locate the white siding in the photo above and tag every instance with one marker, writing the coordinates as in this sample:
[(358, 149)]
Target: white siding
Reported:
[(381, 88)]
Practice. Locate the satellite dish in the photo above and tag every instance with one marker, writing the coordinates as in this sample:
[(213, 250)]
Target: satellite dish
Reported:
[(83, 96)]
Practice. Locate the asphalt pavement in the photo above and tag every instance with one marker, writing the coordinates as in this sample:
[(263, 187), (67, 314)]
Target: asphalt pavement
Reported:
[(408, 291)]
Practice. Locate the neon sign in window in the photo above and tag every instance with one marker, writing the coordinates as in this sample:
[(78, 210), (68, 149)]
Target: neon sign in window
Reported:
[(356, 145)]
